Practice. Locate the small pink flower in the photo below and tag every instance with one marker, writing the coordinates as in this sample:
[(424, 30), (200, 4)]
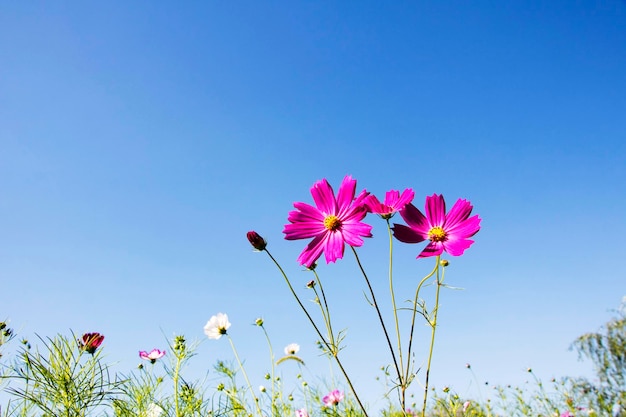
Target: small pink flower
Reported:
[(393, 202), (567, 414), (333, 222), (466, 405), (448, 232), (302, 413), (333, 398), (89, 342), (152, 356)]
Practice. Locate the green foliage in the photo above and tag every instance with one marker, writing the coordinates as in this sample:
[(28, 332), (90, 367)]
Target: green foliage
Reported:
[(64, 380), (607, 350)]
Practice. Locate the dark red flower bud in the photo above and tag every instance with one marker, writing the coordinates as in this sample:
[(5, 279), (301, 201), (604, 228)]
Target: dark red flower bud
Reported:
[(256, 240), (90, 342)]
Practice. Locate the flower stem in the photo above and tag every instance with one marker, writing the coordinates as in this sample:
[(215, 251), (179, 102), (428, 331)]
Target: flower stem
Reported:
[(380, 316), (245, 375), (433, 325), (317, 330), (415, 300), (326, 314), (403, 381)]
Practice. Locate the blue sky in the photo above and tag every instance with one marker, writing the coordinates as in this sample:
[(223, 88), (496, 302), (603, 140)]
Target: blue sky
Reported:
[(140, 141)]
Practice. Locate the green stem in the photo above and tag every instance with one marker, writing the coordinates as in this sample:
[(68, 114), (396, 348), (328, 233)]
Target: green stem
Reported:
[(417, 292), (317, 330), (326, 314), (269, 344), (175, 378), (403, 381), (380, 316), (245, 375), (433, 325)]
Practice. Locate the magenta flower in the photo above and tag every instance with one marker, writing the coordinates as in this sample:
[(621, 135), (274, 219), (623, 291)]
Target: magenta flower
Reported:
[(333, 398), (447, 232), (393, 202), (89, 342), (331, 224), (152, 356)]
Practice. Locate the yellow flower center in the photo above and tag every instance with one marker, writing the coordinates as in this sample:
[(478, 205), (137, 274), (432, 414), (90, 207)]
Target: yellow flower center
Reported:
[(332, 223), (437, 234)]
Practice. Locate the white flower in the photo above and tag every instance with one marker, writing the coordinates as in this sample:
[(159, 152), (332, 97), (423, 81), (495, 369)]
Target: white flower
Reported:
[(154, 410), (292, 349), (217, 326)]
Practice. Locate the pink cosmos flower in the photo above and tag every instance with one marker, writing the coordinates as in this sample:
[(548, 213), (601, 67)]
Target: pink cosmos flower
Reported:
[(567, 414), (446, 232), (393, 202), (152, 356), (333, 398), (302, 413), (331, 224), (89, 342)]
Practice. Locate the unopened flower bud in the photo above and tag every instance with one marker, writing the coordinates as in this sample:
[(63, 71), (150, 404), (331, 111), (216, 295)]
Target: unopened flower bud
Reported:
[(259, 322), (256, 240), (310, 284), (267, 376), (262, 388), (220, 387), (468, 366), (446, 389), (444, 262)]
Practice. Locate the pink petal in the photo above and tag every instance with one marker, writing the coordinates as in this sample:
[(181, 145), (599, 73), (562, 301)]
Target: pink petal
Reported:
[(435, 210), (373, 204), (324, 197), (303, 230), (459, 212), (334, 247), (432, 249), (305, 212), (465, 229), (404, 199), (406, 234), (415, 219), (346, 193), (312, 251), (456, 247)]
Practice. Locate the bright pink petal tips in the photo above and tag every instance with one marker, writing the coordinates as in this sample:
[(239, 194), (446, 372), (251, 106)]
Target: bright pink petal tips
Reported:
[(447, 232), (394, 202), (333, 222)]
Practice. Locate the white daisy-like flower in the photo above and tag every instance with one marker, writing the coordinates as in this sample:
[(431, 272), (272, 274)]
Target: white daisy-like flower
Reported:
[(154, 410), (217, 326), (292, 349)]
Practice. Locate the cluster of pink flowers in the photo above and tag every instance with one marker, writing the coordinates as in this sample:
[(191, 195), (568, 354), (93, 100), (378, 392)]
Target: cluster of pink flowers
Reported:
[(335, 221)]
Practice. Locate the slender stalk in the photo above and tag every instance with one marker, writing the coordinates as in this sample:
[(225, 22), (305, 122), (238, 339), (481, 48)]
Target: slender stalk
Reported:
[(403, 381), (433, 325), (245, 375), (175, 380), (380, 316), (326, 313), (417, 291), (317, 330), (269, 344)]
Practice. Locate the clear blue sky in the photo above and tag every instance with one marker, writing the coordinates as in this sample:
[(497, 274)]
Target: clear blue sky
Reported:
[(140, 141)]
